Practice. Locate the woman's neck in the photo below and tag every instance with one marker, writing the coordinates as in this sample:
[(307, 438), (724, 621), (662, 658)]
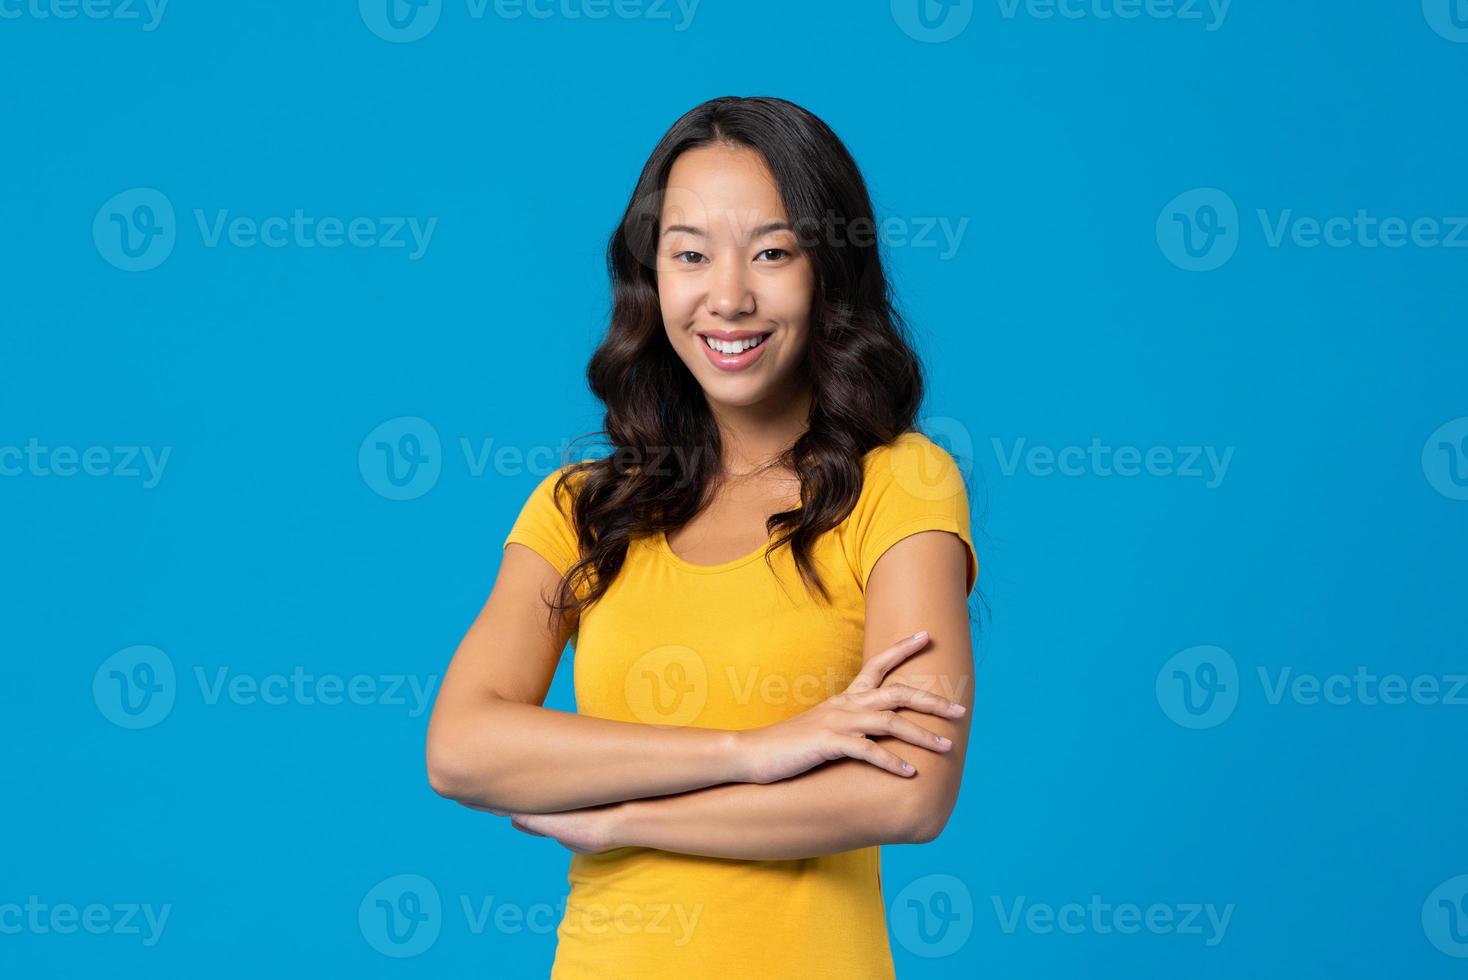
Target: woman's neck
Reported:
[(755, 435)]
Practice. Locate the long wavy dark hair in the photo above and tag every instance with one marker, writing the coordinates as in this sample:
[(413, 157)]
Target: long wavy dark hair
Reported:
[(865, 380)]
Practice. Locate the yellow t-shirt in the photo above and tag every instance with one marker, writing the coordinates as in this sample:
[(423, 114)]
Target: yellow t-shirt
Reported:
[(724, 646)]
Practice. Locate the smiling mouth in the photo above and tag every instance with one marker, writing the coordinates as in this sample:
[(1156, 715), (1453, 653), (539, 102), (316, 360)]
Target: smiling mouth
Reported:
[(740, 352), (732, 347)]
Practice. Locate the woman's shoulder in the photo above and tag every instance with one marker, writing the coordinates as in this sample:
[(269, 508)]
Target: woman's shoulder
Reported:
[(575, 473), (911, 442), (911, 484), (914, 464), (550, 504), (546, 522)]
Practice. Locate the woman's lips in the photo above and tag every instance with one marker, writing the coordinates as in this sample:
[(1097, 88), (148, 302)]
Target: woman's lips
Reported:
[(734, 362)]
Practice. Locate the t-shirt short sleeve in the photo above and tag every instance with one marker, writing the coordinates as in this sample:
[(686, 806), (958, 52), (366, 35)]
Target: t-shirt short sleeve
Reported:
[(910, 485), (545, 525)]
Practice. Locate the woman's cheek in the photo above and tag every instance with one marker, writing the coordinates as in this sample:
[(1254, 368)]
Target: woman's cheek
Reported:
[(677, 309)]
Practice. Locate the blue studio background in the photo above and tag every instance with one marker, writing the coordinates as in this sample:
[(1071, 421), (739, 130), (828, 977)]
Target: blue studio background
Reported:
[(1189, 282)]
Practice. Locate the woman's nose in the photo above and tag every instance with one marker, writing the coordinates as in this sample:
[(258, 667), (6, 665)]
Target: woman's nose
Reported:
[(729, 293)]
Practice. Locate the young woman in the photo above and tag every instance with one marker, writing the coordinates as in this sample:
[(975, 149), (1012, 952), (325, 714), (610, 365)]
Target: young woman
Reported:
[(764, 585)]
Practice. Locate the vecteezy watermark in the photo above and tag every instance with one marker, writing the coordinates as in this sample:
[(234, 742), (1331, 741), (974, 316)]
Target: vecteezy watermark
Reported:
[(1210, 13), (404, 915), (935, 476), (136, 688), (300, 688), (932, 916), (127, 462), (935, 21), (1449, 18), (1199, 687), (1445, 917), (653, 211), (1361, 230), (401, 916), (953, 437), (1124, 918), (405, 21), (1445, 459), (400, 21), (137, 230), (893, 231), (932, 21), (39, 918), (1200, 230), (301, 230), (1207, 463), (148, 13), (667, 685), (673, 921), (1363, 687), (671, 685), (403, 458)]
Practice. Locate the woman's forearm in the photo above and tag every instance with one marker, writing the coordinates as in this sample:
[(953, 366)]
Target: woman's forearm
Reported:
[(511, 756), (837, 807)]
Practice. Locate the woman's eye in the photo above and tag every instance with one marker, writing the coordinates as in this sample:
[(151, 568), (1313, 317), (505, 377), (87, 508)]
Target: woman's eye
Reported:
[(779, 253), (679, 256)]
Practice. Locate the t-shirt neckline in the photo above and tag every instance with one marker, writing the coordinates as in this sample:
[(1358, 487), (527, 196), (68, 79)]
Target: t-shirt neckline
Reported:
[(667, 551)]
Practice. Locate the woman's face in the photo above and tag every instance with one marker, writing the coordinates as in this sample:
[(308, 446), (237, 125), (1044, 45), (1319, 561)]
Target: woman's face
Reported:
[(729, 269)]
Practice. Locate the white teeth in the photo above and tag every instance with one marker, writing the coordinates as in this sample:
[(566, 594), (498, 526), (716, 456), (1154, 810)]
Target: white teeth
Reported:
[(734, 346)]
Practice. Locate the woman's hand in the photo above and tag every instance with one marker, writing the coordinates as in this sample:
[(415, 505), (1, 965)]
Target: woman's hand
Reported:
[(838, 727)]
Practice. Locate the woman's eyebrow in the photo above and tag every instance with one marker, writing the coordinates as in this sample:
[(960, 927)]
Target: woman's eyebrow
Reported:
[(759, 232)]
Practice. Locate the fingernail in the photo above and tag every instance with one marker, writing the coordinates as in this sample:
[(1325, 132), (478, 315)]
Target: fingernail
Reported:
[(958, 709), (907, 767), (943, 740), (919, 634)]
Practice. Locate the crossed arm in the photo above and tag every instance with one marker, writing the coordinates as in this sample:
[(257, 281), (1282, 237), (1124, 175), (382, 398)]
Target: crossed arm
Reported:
[(695, 801)]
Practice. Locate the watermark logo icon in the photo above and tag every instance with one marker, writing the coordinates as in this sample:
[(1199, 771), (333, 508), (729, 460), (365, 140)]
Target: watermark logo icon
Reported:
[(135, 687), (1448, 17), (668, 685), (1445, 917), (1199, 687), (1199, 229), (953, 437), (933, 916), (400, 21), (135, 230), (929, 475), (932, 21), (402, 458), (401, 916), (1445, 459)]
